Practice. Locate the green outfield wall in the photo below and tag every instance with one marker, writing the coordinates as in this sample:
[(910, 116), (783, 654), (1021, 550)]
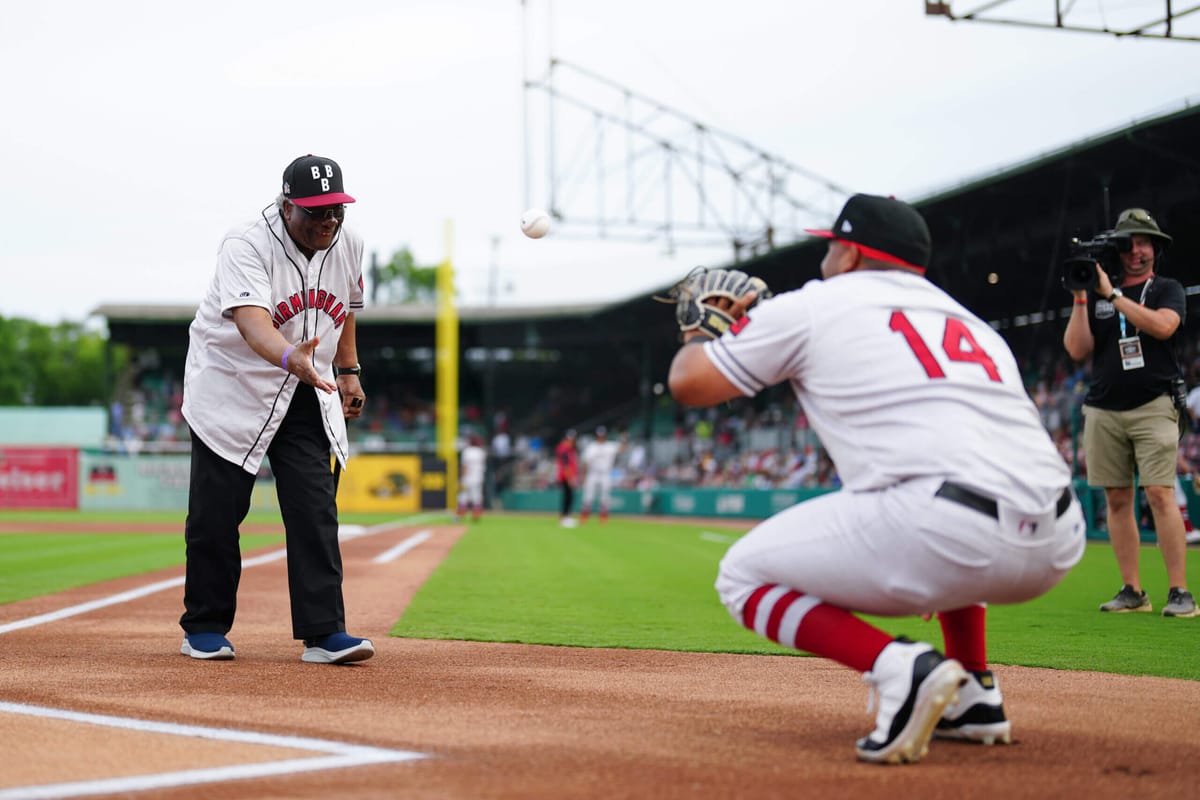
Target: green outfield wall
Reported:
[(73, 426), (752, 504)]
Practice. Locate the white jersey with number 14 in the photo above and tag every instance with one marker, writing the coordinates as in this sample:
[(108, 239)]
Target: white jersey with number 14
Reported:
[(899, 381)]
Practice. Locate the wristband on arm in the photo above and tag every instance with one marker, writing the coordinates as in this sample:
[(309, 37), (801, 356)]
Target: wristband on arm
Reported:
[(283, 361)]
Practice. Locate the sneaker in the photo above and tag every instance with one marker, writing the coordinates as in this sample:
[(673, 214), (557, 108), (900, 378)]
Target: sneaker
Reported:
[(567, 522), (337, 648), (1180, 603), (1193, 537), (978, 716), (1128, 600), (210, 646), (913, 684)]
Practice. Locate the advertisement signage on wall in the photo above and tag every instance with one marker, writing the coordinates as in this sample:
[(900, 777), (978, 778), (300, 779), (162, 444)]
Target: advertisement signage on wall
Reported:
[(389, 483), (39, 477)]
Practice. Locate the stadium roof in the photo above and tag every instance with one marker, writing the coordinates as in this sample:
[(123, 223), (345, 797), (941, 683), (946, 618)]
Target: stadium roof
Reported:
[(999, 241)]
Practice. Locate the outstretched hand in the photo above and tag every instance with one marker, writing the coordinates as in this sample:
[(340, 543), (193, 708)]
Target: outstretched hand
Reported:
[(300, 364)]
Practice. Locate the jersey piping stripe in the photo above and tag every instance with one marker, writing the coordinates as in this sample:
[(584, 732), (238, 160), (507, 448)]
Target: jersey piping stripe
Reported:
[(733, 369), (266, 422), (335, 446)]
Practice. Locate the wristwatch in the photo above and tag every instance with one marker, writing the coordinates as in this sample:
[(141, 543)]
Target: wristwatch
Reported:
[(1112, 298), (355, 370)]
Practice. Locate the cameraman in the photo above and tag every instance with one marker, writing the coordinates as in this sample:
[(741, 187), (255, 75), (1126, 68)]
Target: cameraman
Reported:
[(1131, 421)]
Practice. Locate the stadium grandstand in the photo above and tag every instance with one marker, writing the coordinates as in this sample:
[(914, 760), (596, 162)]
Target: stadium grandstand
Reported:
[(529, 373)]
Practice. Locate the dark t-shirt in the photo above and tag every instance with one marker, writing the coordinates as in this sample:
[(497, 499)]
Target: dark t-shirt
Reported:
[(1117, 389)]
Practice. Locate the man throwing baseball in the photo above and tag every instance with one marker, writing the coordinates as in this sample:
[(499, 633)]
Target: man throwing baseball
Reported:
[(272, 370), (954, 494)]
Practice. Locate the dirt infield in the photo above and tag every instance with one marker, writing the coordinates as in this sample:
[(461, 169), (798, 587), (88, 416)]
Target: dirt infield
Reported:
[(512, 721)]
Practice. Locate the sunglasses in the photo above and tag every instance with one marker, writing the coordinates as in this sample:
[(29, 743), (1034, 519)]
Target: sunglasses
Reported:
[(324, 213)]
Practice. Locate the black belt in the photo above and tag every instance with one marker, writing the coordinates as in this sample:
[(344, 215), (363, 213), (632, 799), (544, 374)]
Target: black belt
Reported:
[(986, 505)]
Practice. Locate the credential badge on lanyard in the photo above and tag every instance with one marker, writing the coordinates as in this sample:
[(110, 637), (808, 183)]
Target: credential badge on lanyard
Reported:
[(1131, 346)]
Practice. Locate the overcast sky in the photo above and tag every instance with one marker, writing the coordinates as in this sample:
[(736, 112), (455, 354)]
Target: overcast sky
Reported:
[(136, 133)]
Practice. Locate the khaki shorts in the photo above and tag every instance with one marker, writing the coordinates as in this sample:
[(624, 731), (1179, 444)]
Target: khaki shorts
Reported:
[(1143, 440)]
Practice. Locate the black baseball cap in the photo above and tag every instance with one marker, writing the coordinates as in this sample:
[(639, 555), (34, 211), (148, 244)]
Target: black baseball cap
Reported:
[(883, 228), (312, 181)]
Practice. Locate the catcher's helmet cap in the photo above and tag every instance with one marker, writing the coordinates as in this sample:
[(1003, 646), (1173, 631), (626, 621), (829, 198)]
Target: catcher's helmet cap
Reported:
[(883, 228), (1139, 221), (312, 181)]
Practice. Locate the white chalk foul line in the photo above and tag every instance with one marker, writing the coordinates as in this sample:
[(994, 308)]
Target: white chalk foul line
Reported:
[(392, 553), (339, 755), (709, 536), (344, 533)]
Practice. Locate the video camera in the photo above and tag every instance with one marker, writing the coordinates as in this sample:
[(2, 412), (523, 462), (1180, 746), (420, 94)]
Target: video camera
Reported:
[(1104, 249)]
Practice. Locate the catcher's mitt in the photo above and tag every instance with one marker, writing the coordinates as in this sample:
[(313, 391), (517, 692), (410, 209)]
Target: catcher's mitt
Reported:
[(696, 298)]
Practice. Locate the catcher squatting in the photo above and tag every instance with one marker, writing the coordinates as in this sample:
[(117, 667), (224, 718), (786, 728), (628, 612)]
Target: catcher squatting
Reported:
[(885, 364)]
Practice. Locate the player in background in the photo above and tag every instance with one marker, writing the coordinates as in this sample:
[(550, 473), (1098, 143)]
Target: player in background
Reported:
[(1185, 469), (566, 460), (954, 495), (597, 463), (473, 470)]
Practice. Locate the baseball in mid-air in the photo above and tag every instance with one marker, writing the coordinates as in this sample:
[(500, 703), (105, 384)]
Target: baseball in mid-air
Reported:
[(535, 223)]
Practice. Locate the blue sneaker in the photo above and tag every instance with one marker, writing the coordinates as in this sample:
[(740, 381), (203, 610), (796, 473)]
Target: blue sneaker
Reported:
[(211, 646), (337, 648)]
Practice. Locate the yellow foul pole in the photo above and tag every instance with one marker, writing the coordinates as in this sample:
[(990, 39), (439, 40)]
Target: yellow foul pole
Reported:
[(447, 369)]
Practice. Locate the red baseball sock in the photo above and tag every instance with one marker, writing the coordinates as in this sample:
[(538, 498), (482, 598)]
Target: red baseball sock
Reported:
[(800, 621), (965, 633)]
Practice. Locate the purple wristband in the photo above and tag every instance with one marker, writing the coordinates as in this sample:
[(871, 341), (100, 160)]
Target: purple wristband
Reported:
[(286, 353)]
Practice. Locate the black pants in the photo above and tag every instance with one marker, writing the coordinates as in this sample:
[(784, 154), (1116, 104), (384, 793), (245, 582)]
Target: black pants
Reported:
[(218, 501), (568, 495)]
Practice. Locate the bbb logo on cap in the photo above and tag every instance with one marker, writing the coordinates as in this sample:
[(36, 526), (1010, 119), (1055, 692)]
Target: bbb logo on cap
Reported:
[(324, 179), (311, 181)]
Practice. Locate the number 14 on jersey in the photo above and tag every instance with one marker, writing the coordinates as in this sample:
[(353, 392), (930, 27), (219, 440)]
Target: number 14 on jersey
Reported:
[(957, 343)]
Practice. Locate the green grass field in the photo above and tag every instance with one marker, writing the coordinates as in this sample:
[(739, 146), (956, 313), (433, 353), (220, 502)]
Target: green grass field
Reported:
[(636, 584)]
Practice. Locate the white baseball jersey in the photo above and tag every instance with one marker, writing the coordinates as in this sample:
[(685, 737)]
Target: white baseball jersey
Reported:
[(1193, 400), (908, 391), (233, 399), (598, 460), (899, 381), (600, 457), (474, 463)]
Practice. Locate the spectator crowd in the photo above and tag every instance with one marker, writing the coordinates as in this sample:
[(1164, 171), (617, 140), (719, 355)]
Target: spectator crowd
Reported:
[(741, 445)]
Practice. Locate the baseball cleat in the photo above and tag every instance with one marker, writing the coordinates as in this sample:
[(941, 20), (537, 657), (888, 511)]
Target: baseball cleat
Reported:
[(337, 648), (208, 646), (978, 716), (913, 685)]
